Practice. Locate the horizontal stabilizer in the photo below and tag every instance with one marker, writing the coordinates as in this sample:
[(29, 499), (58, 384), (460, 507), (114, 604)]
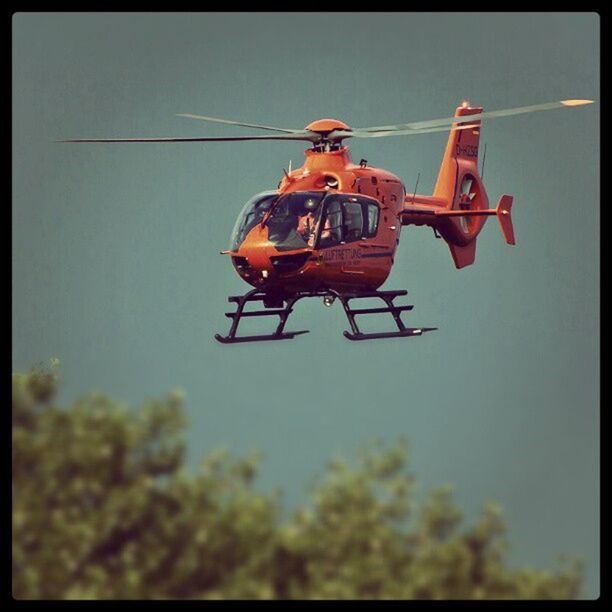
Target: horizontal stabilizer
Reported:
[(502, 212)]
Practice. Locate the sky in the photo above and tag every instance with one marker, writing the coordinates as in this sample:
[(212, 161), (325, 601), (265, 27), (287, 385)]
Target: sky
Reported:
[(116, 266)]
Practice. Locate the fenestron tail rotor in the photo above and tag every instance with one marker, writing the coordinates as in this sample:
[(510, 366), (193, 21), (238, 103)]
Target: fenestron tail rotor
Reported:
[(466, 195)]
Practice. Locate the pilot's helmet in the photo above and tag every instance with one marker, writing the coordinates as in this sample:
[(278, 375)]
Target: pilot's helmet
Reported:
[(311, 204)]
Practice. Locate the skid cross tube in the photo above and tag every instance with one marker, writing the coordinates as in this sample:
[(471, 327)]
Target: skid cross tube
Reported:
[(281, 305), (387, 297), (253, 296)]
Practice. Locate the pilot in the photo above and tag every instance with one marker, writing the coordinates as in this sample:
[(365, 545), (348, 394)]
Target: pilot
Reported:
[(307, 224), (326, 231)]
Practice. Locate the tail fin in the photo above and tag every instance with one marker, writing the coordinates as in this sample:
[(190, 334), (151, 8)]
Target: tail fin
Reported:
[(460, 186), (463, 255), (460, 156)]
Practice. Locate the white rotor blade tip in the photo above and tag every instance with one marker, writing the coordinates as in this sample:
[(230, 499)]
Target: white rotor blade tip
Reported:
[(576, 102)]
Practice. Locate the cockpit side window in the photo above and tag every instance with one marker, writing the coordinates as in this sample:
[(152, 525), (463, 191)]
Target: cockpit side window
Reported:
[(347, 218), (331, 226), (373, 211), (353, 221)]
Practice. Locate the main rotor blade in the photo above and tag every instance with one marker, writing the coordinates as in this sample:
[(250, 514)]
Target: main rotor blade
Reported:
[(312, 138), (249, 125), (405, 132), (417, 125), (308, 137)]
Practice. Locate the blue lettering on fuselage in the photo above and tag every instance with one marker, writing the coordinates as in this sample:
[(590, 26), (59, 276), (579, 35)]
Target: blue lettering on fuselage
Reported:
[(345, 255)]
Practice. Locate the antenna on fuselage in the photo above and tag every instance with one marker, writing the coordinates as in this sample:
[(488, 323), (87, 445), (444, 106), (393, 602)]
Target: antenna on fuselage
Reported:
[(484, 157), (415, 186)]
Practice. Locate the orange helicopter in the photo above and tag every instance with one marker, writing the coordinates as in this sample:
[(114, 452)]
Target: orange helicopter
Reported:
[(332, 227)]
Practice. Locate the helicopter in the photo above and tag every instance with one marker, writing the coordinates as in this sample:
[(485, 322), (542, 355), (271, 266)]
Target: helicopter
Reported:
[(331, 228)]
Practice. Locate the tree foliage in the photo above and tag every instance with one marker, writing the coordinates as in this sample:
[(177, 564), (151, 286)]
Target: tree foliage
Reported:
[(104, 509)]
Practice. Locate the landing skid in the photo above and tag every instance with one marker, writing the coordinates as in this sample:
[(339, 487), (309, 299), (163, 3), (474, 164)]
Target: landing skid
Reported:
[(407, 331), (281, 305)]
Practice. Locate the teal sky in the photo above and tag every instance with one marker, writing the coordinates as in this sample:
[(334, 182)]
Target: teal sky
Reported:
[(115, 247)]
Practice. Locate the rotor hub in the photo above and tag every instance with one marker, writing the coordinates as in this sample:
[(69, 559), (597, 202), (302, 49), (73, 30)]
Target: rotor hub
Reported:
[(330, 133), (324, 126)]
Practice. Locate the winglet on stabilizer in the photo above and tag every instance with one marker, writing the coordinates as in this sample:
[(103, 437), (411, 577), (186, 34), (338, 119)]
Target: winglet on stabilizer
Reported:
[(505, 220)]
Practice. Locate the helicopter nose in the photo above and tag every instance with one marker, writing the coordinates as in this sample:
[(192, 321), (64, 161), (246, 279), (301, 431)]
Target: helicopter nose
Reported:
[(267, 265), (255, 250), (259, 261), (258, 265), (265, 262)]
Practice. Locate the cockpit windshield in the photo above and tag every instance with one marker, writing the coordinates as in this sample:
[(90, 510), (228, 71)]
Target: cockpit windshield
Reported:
[(308, 219), (252, 214), (294, 219), (292, 223)]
